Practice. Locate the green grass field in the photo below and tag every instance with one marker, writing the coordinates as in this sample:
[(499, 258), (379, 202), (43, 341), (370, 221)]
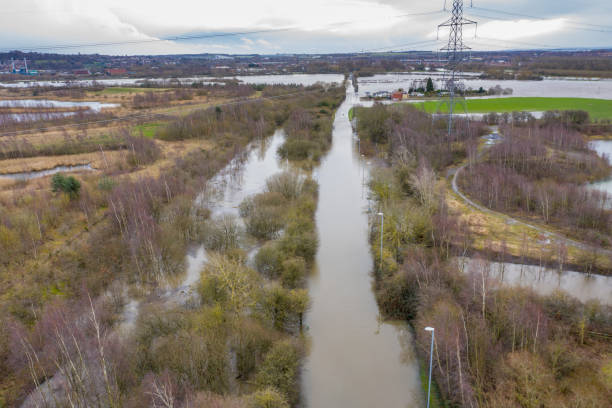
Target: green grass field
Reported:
[(598, 108), (148, 129)]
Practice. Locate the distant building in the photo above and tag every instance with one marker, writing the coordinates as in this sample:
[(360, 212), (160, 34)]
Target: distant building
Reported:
[(81, 72), (115, 71), (381, 95), (397, 96)]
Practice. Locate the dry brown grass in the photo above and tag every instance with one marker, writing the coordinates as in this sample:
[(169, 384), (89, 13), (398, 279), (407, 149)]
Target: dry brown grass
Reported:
[(97, 160), (492, 232)]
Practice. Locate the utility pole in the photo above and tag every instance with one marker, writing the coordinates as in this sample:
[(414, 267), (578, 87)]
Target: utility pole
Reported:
[(432, 331), (382, 230), (455, 52)]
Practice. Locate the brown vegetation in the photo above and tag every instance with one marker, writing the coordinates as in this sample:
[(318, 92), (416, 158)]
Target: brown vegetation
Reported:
[(495, 345), (133, 224), (540, 172)]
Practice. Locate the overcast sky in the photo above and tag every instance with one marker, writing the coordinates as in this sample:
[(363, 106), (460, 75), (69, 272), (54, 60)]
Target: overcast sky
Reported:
[(313, 26)]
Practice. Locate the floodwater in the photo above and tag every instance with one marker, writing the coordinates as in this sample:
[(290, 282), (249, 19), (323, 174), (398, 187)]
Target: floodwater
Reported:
[(48, 103), (42, 173), (300, 79), (355, 360), (563, 87), (37, 104), (242, 177), (545, 280), (604, 149)]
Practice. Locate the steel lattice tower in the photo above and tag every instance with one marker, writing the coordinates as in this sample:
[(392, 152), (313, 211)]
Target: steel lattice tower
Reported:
[(455, 51)]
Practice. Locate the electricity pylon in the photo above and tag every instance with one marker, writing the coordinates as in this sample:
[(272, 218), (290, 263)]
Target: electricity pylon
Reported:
[(455, 54)]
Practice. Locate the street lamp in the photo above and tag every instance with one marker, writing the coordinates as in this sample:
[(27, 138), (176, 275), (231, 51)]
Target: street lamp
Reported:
[(382, 228), (432, 330)]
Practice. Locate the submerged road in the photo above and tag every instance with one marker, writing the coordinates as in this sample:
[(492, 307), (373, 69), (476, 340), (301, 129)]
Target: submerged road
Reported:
[(356, 359), (547, 233)]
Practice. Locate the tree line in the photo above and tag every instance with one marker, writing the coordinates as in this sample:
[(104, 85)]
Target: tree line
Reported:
[(495, 345)]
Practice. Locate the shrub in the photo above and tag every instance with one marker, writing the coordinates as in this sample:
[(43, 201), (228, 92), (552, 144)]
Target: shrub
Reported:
[(371, 123), (289, 184), (268, 398), (283, 308), (298, 149), (263, 215), (397, 297), (142, 150), (68, 185), (294, 271), (268, 260), (230, 281), (106, 183), (222, 234), (251, 343), (280, 370), (303, 245)]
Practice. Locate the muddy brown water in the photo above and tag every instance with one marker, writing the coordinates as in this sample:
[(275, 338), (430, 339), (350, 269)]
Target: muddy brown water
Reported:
[(355, 360)]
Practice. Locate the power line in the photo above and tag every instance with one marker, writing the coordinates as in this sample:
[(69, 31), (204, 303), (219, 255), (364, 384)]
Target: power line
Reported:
[(394, 47), (538, 18), (518, 42), (455, 50), (150, 40), (202, 36), (577, 28)]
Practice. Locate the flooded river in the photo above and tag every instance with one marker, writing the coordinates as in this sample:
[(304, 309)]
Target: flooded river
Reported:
[(356, 360)]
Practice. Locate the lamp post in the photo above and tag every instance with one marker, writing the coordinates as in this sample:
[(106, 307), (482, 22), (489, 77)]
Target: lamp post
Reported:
[(382, 228), (432, 330)]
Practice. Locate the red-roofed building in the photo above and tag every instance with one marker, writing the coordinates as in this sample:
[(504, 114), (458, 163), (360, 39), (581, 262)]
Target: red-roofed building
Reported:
[(115, 71)]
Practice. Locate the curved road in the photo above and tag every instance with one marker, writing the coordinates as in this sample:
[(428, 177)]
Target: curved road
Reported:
[(544, 231)]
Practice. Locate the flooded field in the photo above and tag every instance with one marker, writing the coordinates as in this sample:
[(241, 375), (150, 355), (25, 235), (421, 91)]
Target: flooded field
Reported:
[(570, 88), (46, 103), (300, 79), (604, 149), (27, 110), (544, 280)]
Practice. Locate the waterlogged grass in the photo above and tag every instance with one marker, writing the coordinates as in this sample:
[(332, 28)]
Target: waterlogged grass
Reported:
[(598, 108)]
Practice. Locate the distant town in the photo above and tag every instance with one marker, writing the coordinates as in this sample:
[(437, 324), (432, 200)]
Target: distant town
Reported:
[(534, 64)]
